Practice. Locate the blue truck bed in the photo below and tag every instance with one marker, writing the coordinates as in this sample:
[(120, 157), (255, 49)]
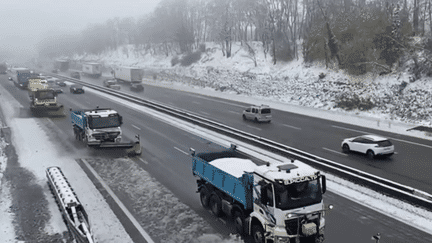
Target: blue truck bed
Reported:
[(78, 118), (229, 173)]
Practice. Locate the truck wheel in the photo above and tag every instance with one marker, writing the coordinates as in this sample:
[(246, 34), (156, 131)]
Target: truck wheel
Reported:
[(215, 205), (345, 148), (244, 117), (239, 222), (204, 197), (370, 154), (258, 233)]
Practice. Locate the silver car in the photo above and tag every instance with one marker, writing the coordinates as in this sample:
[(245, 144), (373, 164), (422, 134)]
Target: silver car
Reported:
[(260, 113), (371, 145)]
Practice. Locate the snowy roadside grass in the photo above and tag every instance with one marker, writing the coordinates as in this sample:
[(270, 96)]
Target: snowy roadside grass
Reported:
[(166, 218), (7, 232)]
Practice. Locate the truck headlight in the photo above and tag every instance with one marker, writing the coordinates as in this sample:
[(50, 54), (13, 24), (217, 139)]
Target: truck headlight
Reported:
[(117, 140)]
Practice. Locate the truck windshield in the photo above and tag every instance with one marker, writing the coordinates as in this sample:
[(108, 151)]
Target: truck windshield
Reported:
[(298, 194), (43, 95), (104, 122)]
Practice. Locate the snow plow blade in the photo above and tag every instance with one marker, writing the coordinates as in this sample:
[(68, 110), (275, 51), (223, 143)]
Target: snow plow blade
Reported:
[(116, 145), (132, 148)]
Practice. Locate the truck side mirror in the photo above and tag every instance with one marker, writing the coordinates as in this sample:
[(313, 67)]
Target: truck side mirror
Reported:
[(324, 184), (121, 120), (192, 151)]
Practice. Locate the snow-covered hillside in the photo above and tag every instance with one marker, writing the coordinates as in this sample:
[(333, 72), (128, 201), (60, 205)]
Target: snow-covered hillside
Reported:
[(294, 82)]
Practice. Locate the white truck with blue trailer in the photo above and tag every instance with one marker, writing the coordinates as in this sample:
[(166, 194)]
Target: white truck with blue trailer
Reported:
[(272, 203), (100, 127)]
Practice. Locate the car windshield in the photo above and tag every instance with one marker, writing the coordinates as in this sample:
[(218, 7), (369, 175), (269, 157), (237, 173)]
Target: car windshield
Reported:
[(104, 122), (298, 195), (265, 111), (384, 143)]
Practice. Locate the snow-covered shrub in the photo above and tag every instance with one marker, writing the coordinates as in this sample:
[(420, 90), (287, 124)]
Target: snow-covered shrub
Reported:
[(190, 58), (174, 61)]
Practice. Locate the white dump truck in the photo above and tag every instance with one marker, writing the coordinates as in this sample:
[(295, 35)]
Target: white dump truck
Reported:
[(100, 127), (272, 203), (128, 74)]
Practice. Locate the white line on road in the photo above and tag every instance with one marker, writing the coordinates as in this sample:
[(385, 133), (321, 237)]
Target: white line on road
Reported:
[(181, 150), (298, 128), (196, 102), (334, 151), (400, 140), (254, 127), (136, 127), (234, 112), (215, 100), (119, 203), (145, 162)]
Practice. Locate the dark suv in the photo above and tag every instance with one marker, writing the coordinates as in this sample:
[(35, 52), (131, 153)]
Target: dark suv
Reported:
[(75, 75)]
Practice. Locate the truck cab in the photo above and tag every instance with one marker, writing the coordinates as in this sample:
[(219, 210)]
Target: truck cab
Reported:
[(103, 126)]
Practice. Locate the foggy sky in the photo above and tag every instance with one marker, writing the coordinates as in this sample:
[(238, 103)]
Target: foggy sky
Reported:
[(23, 23)]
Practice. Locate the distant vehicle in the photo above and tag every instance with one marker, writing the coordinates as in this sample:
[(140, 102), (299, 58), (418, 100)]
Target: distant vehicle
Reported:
[(92, 69), (21, 76), (258, 113), (61, 83), (56, 88), (128, 74), (51, 80), (137, 87), (371, 145), (75, 75), (112, 84), (76, 89), (61, 65)]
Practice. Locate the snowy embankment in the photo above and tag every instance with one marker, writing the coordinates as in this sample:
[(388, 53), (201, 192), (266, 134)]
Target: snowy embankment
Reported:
[(290, 83)]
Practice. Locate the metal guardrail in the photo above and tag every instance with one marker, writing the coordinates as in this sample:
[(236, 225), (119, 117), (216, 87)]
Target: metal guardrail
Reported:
[(391, 188)]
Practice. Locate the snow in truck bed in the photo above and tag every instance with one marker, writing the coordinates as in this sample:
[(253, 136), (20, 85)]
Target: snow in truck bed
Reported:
[(234, 166)]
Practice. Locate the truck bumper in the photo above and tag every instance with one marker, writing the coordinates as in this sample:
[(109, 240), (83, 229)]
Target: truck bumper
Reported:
[(46, 108)]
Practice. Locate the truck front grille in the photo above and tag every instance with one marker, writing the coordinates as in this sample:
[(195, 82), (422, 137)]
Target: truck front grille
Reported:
[(109, 136)]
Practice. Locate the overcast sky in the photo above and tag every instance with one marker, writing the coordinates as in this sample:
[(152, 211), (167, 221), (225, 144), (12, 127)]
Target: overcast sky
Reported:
[(24, 22)]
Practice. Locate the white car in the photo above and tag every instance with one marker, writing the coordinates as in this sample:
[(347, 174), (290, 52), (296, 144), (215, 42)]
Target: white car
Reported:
[(371, 145), (258, 113)]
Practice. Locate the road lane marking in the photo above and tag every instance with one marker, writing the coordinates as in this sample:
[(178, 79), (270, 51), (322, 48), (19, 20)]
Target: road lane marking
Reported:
[(254, 127), (227, 103), (181, 150), (136, 127), (196, 102), (334, 151), (234, 112), (298, 128), (119, 203), (145, 162), (400, 140)]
